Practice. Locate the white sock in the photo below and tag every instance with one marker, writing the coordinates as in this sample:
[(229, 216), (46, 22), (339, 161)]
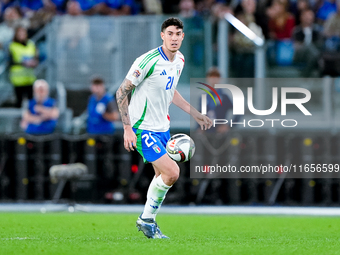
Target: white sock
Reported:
[(154, 198)]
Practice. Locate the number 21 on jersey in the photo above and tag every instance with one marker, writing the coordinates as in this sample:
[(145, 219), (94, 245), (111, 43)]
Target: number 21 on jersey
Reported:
[(147, 137), (170, 82)]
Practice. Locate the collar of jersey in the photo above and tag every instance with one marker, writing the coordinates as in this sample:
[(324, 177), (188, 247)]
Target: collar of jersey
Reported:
[(162, 53)]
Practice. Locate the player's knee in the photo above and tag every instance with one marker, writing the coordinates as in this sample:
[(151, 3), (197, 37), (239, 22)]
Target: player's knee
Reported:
[(173, 174), (173, 178)]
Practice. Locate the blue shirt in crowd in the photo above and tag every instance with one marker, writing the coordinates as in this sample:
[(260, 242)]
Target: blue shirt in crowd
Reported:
[(326, 10), (38, 4), (88, 4), (45, 127), (96, 124), (117, 4)]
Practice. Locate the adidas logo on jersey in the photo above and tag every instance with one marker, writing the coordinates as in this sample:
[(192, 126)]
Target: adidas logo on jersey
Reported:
[(163, 73)]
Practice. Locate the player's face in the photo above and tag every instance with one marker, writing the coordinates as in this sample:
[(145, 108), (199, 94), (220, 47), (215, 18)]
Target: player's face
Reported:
[(172, 38)]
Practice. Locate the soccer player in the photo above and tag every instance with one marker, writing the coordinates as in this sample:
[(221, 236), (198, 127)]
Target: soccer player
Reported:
[(153, 79)]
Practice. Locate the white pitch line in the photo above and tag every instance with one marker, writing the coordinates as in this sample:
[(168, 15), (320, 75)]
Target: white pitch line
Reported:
[(19, 238), (222, 210)]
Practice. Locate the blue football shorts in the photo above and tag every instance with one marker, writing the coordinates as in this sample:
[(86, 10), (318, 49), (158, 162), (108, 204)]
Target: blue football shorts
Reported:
[(151, 145)]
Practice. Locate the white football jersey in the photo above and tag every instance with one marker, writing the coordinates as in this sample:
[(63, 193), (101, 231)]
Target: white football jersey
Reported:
[(155, 78)]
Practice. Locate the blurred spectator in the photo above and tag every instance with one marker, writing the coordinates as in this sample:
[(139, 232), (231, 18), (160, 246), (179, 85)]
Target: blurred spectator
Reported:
[(205, 7), (194, 25), (90, 7), (60, 5), (73, 38), (107, 7), (326, 9), (261, 16), (119, 7), (187, 9), (281, 22), (23, 60), (218, 10), (190, 16), (152, 7), (219, 111), (41, 116), (31, 6), (40, 12), (102, 109), (297, 8), (212, 8), (12, 19), (170, 7), (4, 4), (243, 48), (330, 59), (307, 39), (332, 31), (74, 8)]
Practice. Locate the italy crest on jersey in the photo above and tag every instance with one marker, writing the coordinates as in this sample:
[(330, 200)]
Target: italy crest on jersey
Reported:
[(178, 67), (156, 148)]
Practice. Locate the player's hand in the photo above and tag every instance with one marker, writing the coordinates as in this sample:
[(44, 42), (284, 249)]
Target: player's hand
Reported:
[(204, 121), (130, 139)]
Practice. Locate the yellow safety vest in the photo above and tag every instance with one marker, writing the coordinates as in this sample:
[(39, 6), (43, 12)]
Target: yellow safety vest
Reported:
[(20, 75)]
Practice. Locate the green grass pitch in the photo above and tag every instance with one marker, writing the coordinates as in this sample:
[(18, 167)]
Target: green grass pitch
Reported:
[(80, 233)]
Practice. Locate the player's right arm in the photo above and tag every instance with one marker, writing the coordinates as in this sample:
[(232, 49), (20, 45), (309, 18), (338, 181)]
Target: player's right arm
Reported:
[(130, 139), (134, 78)]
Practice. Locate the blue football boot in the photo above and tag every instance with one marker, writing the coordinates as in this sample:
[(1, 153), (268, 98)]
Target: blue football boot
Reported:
[(149, 228), (159, 233)]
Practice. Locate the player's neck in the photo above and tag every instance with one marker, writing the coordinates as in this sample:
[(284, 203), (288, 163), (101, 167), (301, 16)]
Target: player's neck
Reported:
[(171, 55)]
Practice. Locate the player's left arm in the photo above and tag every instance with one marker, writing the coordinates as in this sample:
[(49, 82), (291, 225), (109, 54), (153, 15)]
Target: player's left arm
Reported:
[(204, 121)]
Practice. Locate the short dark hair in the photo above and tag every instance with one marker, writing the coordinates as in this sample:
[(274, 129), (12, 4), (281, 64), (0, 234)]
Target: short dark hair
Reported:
[(172, 22), (213, 72), (97, 80)]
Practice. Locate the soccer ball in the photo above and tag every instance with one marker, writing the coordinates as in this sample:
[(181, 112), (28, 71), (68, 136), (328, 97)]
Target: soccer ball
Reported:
[(180, 147)]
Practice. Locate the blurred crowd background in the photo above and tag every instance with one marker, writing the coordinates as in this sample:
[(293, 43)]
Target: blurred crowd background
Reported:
[(61, 62), (301, 31)]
